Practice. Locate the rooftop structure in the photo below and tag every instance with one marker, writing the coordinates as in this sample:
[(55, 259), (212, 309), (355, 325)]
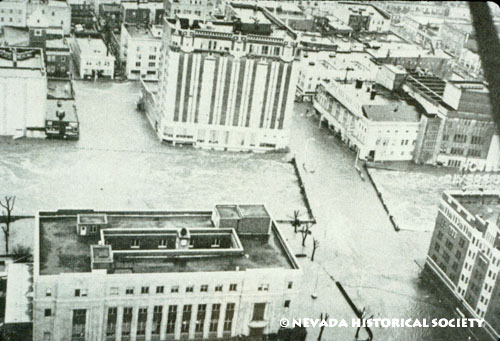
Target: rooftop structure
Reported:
[(22, 59), (254, 250), (60, 89), (144, 263)]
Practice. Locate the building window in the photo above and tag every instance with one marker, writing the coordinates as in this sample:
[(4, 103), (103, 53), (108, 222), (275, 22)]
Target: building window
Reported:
[(218, 287), (216, 242), (174, 289), (287, 304), (162, 244), (152, 64), (290, 285), (46, 335), (232, 287), (264, 287), (138, 64), (159, 289), (48, 293), (171, 319), (135, 243), (157, 313), (436, 247), (111, 322), (48, 312), (129, 291), (440, 235), (449, 245), (204, 288), (186, 318), (190, 288), (113, 291), (458, 255), (214, 318), (127, 321), (461, 243), (80, 292), (228, 320), (265, 49), (200, 318), (145, 290), (78, 324), (141, 321)]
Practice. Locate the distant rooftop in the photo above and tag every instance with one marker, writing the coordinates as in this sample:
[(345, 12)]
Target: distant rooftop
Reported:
[(16, 36), (60, 89), (139, 32), (63, 250), (393, 112), (19, 58), (56, 44), (92, 46), (67, 106)]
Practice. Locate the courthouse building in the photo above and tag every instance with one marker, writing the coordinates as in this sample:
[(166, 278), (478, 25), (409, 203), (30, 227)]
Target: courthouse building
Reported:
[(161, 275)]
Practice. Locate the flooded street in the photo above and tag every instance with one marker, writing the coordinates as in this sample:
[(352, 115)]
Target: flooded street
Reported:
[(118, 163)]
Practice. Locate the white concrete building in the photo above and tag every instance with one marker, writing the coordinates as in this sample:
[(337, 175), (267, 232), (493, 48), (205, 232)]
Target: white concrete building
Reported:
[(13, 13), (224, 85), (140, 49), (23, 92), (369, 119), (362, 16), (50, 14), (92, 58), (161, 275)]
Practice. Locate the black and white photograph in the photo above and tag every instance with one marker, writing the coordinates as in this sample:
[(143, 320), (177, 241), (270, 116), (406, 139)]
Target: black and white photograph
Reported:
[(249, 170)]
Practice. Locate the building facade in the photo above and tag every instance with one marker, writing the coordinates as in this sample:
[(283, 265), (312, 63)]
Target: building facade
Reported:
[(224, 273), (140, 49), (226, 85), (379, 127), (91, 58), (23, 92), (201, 8), (13, 13), (465, 251), (58, 58)]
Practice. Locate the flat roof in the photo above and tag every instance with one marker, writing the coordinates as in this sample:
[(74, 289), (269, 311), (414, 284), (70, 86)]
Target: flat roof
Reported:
[(68, 106), (56, 44), (59, 89), (16, 36), (17, 303), (91, 45), (253, 211), (63, 251), (228, 211), (393, 112), (139, 32), (476, 205), (27, 58)]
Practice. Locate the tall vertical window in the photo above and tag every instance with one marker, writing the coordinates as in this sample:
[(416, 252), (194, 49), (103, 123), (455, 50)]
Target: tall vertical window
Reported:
[(200, 318), (259, 310), (171, 319), (228, 320), (142, 317), (214, 318), (186, 318), (157, 312), (111, 323), (127, 321), (79, 320)]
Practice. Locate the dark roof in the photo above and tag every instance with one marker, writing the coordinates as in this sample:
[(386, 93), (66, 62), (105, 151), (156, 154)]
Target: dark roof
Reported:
[(393, 112), (378, 9)]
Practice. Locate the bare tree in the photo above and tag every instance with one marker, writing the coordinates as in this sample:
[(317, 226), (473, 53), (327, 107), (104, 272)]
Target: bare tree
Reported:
[(8, 207), (305, 231), (296, 221), (315, 246), (363, 318), (21, 254), (322, 318)]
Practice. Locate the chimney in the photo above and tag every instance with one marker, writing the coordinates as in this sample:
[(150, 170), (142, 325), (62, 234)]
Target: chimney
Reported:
[(359, 83), (373, 94)]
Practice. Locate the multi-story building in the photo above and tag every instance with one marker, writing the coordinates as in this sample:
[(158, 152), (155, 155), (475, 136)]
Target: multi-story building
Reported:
[(228, 84), (347, 67), (13, 13), (140, 49), (200, 8), (465, 251), (82, 13), (372, 120), (49, 14), (110, 17), (58, 58), (454, 37), (362, 16), (142, 13), (23, 92), (398, 9), (91, 58), (459, 130), (161, 275)]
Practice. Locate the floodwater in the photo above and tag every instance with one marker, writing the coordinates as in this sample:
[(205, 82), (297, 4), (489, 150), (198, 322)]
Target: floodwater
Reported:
[(118, 163)]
